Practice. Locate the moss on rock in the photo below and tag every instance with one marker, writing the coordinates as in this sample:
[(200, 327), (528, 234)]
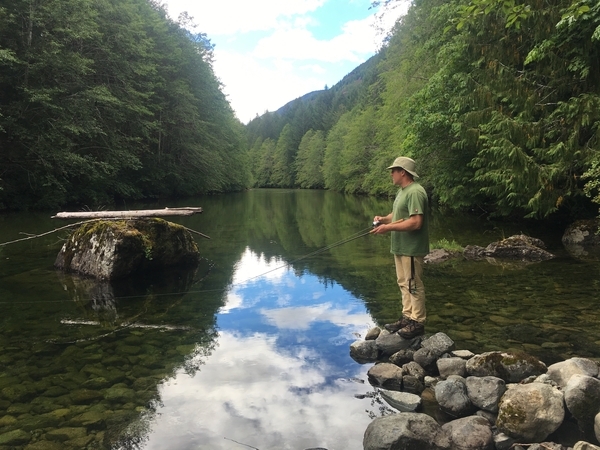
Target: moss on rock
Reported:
[(110, 249)]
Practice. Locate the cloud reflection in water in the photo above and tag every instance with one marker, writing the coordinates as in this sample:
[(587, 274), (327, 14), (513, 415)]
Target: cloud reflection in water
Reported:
[(281, 376)]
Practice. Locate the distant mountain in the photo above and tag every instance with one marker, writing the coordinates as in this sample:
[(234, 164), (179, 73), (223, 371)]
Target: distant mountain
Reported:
[(317, 110)]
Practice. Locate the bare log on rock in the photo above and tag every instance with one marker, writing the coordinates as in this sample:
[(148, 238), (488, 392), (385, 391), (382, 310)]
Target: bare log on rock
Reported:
[(184, 211)]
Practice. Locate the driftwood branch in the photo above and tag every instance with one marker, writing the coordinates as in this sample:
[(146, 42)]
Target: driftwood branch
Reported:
[(33, 236), (184, 211), (76, 224)]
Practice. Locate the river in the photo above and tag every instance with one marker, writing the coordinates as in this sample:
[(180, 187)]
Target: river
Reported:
[(251, 350)]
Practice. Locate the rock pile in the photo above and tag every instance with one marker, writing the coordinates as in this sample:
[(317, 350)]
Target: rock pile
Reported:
[(497, 400)]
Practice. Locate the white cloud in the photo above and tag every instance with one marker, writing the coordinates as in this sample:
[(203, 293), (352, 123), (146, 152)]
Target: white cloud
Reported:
[(301, 317), (252, 393), (225, 17), (286, 61)]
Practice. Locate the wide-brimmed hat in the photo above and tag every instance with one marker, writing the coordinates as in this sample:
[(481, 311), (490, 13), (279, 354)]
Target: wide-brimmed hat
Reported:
[(402, 162)]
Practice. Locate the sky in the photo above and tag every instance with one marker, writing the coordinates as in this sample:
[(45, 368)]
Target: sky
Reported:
[(270, 52)]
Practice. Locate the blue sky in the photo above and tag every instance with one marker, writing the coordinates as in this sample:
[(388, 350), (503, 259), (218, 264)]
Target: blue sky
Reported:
[(269, 52)]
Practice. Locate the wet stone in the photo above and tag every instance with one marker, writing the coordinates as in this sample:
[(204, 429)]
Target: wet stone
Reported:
[(7, 421), (44, 445), (89, 419), (8, 381), (18, 393), (65, 434), (39, 422), (119, 395), (85, 396), (18, 409), (96, 383), (15, 437), (81, 442), (128, 350), (56, 391), (60, 413)]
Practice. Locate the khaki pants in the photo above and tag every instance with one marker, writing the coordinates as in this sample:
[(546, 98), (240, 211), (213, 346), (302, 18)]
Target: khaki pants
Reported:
[(413, 299)]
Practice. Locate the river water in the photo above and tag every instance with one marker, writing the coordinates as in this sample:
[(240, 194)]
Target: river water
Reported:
[(251, 350)]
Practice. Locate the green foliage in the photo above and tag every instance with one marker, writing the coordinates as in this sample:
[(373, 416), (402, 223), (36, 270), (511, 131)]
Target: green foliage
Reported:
[(309, 160), (445, 244), (501, 109), (109, 100)]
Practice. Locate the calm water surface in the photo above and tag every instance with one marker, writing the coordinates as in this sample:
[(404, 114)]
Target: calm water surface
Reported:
[(251, 350)]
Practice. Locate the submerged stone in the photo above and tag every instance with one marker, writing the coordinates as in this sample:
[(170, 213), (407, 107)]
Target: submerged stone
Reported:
[(113, 249)]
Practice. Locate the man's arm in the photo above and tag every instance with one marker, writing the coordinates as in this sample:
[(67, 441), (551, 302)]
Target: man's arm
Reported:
[(414, 222)]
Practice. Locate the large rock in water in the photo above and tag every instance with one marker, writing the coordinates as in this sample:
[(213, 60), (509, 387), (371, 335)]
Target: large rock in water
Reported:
[(112, 249), (581, 239)]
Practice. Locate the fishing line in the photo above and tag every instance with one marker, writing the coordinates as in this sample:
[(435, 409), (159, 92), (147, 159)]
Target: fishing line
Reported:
[(347, 239)]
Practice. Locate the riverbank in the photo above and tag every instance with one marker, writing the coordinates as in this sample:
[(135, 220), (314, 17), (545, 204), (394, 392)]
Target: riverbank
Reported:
[(491, 400)]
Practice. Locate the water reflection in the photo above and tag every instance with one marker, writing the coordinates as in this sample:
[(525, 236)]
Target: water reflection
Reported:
[(281, 376)]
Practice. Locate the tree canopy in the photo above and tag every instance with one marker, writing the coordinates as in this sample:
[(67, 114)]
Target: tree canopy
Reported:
[(108, 100), (496, 100)]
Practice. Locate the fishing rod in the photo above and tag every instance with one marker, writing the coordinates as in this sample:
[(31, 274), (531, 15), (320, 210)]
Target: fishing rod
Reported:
[(352, 237)]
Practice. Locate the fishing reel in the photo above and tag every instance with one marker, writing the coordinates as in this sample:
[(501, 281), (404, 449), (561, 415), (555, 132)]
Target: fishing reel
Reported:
[(376, 223)]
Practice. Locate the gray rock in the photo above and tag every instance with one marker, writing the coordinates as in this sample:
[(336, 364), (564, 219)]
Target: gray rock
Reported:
[(581, 240), (439, 344), (474, 252), (597, 427), (412, 384), (430, 381), (582, 397), (490, 417), (452, 366), (364, 351), (386, 375), (530, 412), (464, 354), (402, 401), (561, 372), (485, 392), (112, 249), (470, 433), (518, 247), (503, 442), (582, 445), (426, 358), (413, 368), (402, 357), (373, 334), (512, 367), (390, 343), (438, 255), (405, 431), (451, 395)]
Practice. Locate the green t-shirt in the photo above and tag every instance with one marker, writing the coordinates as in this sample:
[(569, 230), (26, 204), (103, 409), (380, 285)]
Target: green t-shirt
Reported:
[(411, 200)]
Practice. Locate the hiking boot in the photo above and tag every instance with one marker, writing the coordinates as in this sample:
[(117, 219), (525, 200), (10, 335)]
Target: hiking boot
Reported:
[(412, 330), (401, 323)]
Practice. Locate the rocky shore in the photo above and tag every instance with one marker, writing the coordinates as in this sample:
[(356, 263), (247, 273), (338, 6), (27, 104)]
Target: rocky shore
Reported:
[(494, 400)]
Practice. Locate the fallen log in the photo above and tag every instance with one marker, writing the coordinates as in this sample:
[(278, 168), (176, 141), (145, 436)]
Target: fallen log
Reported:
[(183, 211)]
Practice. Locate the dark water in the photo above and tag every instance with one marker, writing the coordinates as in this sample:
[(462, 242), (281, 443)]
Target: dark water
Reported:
[(251, 349)]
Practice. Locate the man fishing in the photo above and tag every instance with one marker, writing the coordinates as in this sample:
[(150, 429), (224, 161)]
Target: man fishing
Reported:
[(408, 223)]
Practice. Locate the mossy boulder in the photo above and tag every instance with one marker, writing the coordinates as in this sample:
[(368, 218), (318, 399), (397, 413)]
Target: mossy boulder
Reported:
[(113, 249), (512, 367), (530, 412)]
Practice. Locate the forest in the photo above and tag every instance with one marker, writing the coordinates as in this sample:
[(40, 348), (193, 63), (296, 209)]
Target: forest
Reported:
[(498, 101), (106, 101)]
